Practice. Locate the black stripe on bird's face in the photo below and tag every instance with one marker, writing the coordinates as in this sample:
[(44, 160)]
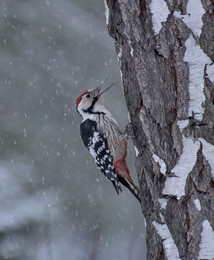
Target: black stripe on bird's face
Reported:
[(90, 109)]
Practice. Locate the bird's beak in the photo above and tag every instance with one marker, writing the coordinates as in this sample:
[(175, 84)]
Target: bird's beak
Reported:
[(104, 91), (98, 93)]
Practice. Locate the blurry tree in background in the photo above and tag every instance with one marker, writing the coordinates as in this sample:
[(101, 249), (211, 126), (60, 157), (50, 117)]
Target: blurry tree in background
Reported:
[(166, 53), (55, 204)]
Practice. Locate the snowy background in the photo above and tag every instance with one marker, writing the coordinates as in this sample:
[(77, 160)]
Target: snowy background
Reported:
[(55, 204)]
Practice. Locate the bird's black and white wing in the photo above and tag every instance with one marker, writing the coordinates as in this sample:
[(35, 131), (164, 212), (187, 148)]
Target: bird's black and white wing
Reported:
[(98, 147)]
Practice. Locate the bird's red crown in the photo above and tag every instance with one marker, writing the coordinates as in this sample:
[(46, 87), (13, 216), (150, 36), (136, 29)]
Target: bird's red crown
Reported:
[(80, 97)]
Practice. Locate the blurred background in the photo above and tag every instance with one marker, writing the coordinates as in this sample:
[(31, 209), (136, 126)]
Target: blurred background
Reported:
[(54, 202)]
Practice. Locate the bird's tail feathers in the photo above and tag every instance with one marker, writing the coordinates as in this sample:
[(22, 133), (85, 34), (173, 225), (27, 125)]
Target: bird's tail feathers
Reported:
[(133, 188), (117, 186)]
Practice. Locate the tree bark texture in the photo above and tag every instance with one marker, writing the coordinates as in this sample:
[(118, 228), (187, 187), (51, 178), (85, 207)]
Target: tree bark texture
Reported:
[(165, 51)]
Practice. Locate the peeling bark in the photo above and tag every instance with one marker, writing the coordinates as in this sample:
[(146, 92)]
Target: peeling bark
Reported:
[(165, 51)]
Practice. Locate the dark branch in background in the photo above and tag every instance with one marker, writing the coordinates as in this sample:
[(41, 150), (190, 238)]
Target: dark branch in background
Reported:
[(96, 234)]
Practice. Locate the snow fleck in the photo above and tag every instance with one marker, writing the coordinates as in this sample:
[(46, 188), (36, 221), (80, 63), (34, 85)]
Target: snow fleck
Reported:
[(163, 203), (121, 77), (106, 12), (176, 185), (206, 249), (119, 55), (136, 151), (131, 52), (171, 250), (160, 12), (131, 49), (197, 204), (128, 116), (208, 151), (25, 133), (161, 163), (197, 61), (193, 18), (144, 221)]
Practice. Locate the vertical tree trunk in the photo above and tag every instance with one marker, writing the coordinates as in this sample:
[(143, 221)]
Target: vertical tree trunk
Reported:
[(165, 51)]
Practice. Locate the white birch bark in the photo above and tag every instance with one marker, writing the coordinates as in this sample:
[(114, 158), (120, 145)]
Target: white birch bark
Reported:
[(165, 51)]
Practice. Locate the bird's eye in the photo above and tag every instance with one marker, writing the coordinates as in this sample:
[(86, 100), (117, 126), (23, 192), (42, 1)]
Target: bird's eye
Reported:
[(88, 95)]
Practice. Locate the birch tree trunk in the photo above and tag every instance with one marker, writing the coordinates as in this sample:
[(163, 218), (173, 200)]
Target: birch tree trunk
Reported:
[(165, 51)]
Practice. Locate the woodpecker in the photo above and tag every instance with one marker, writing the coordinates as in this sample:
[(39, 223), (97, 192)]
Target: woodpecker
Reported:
[(104, 139)]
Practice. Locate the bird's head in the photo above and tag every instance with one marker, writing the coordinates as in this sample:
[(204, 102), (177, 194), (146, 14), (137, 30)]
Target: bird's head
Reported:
[(90, 99)]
